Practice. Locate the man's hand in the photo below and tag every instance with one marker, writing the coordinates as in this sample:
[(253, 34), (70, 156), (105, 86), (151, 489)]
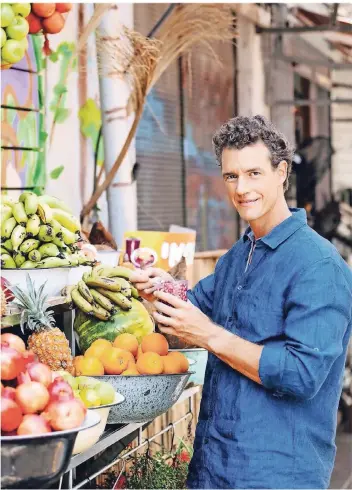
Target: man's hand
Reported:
[(184, 320), (145, 281)]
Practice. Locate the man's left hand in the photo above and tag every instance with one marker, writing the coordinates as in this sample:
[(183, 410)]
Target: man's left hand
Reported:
[(184, 320)]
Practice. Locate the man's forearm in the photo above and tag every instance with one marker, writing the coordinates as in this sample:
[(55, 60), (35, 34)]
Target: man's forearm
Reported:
[(238, 353)]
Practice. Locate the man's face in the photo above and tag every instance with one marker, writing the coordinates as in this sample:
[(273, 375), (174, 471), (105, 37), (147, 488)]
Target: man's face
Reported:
[(253, 185)]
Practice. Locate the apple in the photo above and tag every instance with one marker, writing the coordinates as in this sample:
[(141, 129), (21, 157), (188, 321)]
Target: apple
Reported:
[(12, 51), (105, 392), (18, 29), (24, 43), (21, 9), (63, 7), (35, 25), (90, 398), (7, 15), (3, 37)]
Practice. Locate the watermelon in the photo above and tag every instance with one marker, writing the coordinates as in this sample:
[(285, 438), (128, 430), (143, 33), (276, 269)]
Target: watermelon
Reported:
[(136, 321)]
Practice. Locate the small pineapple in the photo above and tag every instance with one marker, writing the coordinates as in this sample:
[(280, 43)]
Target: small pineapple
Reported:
[(47, 341)]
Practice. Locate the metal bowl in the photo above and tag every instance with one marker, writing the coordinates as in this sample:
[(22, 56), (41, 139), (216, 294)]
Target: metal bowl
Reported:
[(38, 461), (147, 396), (200, 358)]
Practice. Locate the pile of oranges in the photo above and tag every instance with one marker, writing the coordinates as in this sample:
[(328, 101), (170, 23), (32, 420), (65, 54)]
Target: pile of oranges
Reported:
[(126, 357)]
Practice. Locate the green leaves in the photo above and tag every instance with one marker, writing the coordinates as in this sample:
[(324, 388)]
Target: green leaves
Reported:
[(61, 114), (90, 122), (56, 172)]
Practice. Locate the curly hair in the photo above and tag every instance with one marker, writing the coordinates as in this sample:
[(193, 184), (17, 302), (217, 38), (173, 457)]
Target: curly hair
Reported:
[(241, 131)]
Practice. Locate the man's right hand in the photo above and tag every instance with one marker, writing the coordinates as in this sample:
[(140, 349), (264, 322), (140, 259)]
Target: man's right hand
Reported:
[(145, 281)]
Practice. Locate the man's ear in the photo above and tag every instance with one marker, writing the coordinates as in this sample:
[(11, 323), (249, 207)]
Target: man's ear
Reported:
[(282, 170)]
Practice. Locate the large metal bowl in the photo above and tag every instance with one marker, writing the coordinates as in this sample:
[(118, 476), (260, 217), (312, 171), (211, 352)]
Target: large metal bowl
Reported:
[(200, 358), (146, 396), (38, 461)]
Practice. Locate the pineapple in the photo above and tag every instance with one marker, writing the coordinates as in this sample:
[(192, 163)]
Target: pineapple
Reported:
[(47, 341)]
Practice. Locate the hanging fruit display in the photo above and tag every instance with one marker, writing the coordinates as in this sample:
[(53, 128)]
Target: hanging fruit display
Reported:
[(47, 17), (14, 30)]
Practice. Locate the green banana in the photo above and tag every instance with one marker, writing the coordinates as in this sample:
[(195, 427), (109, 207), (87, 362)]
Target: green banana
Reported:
[(49, 250), (73, 259), (46, 233), (57, 228), (24, 195), (80, 302), (85, 292), (4, 251), (126, 292), (6, 213), (19, 258), (7, 262), (59, 242), (8, 201), (117, 298), (28, 265), (67, 220), (68, 236), (83, 260), (19, 213), (7, 228), (34, 256), (103, 282), (134, 292), (53, 262), (8, 245), (86, 276), (102, 300), (31, 204), (100, 312), (29, 245), (54, 202), (32, 226), (66, 291), (17, 236), (45, 213), (117, 271)]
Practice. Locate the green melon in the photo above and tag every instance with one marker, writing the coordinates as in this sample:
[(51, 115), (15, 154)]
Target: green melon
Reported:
[(136, 321)]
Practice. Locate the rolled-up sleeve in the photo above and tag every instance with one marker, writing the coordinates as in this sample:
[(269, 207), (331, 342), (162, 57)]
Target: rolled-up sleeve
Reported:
[(318, 312), (202, 294)]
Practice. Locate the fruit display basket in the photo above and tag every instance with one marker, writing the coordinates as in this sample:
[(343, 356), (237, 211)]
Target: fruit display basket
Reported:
[(38, 461), (147, 396)]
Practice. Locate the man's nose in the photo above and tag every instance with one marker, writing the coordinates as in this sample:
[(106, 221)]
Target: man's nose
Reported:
[(242, 186)]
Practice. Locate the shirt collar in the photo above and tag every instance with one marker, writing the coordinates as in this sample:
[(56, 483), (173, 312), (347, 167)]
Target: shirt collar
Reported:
[(282, 231)]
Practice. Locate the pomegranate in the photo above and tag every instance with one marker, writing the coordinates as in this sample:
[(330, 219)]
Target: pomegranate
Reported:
[(32, 397), (23, 378), (12, 363), (9, 393), (29, 356), (60, 390), (39, 372), (63, 7), (13, 341), (33, 424), (5, 287), (53, 24), (11, 415), (43, 9), (35, 25), (65, 415)]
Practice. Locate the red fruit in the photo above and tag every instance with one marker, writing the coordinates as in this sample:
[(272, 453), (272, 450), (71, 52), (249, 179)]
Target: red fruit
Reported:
[(184, 456), (60, 390), (43, 9), (53, 24), (5, 287), (12, 363), (29, 356), (35, 25), (63, 7), (39, 372), (33, 424), (32, 397), (11, 415), (23, 378), (13, 341), (64, 415), (9, 393)]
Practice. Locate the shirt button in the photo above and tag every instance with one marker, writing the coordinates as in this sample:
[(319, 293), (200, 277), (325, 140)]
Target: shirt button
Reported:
[(239, 287)]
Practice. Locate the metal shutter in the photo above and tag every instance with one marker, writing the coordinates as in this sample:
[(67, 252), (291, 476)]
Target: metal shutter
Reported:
[(158, 142)]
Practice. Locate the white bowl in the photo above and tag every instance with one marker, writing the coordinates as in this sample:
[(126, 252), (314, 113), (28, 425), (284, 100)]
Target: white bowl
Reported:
[(108, 257)]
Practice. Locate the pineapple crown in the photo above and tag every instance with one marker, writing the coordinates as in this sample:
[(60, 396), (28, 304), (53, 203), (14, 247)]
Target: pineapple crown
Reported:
[(33, 305)]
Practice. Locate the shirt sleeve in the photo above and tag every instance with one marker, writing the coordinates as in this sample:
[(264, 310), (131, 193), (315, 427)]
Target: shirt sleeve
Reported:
[(317, 316), (202, 294)]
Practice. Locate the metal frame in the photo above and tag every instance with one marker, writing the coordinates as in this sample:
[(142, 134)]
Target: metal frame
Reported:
[(297, 29), (319, 102)]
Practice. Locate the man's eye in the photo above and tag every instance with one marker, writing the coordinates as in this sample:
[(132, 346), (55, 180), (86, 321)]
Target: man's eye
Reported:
[(255, 174), (230, 177)]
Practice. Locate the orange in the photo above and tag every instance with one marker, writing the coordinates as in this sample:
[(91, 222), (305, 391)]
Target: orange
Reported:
[(127, 341), (139, 352), (182, 359), (90, 366), (98, 348), (76, 363), (150, 363), (116, 361), (131, 371), (172, 365), (155, 342)]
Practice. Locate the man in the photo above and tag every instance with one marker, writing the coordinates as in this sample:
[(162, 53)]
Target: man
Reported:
[(276, 318)]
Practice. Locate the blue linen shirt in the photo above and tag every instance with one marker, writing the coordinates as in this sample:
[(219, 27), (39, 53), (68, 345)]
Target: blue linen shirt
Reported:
[(293, 295)]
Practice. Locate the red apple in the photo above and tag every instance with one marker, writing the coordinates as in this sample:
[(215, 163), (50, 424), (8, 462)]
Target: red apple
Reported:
[(33, 424), (11, 415), (60, 390), (35, 25), (12, 363), (39, 372), (23, 378), (53, 24), (32, 397), (63, 7), (65, 415), (9, 393), (13, 341)]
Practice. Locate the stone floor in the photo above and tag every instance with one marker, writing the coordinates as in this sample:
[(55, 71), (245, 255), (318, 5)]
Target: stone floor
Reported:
[(342, 474)]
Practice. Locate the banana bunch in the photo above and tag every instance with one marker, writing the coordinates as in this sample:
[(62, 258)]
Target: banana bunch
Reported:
[(39, 232), (103, 291)]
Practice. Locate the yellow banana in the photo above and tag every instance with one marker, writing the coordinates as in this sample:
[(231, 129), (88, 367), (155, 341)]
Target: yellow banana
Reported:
[(54, 202), (49, 262), (117, 298), (23, 196), (85, 292), (66, 291), (7, 228), (73, 259), (8, 245), (28, 265), (32, 226), (117, 271), (100, 312), (135, 293), (19, 213), (102, 300), (6, 213), (7, 200), (56, 227), (29, 245), (19, 258), (103, 282), (46, 233), (68, 237), (67, 220), (31, 204), (17, 236), (45, 213), (34, 256), (48, 250), (7, 262), (80, 302)]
